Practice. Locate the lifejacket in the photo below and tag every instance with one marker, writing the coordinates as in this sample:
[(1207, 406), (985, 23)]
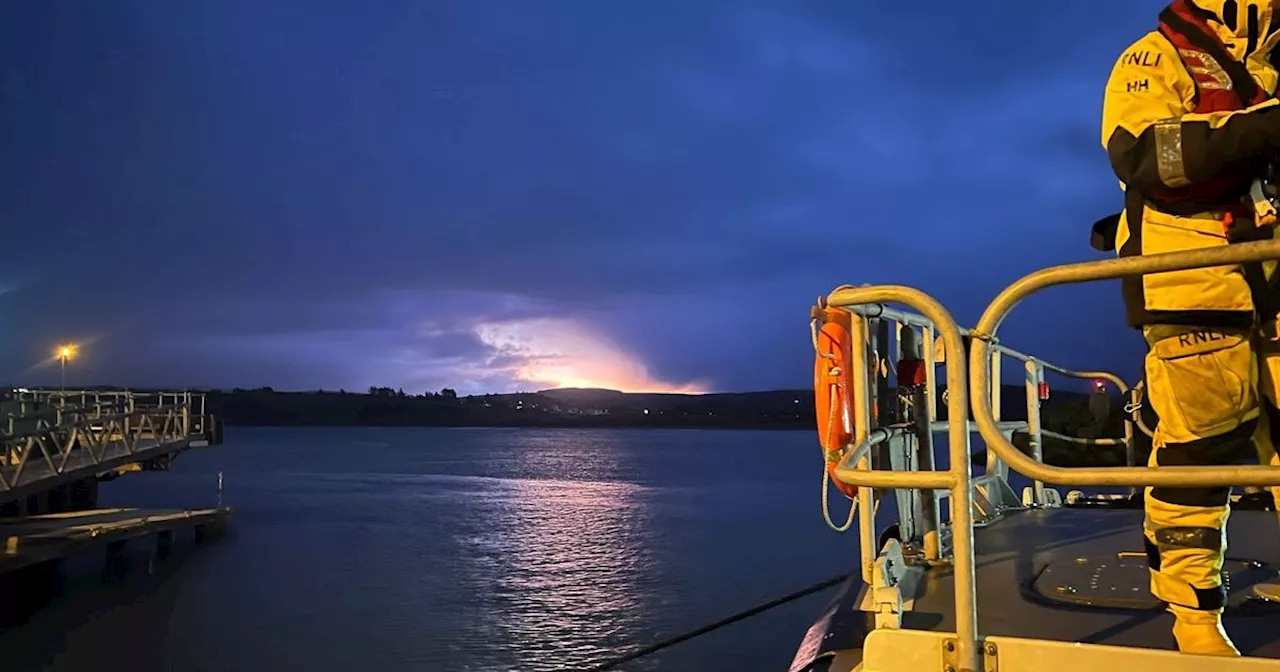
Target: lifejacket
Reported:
[(1223, 84), (832, 391)]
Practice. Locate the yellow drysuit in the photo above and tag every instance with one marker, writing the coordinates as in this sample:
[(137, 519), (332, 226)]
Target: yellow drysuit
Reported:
[(1189, 120)]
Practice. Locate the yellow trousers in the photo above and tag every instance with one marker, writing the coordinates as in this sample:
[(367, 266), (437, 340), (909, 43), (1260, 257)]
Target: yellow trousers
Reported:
[(1208, 386)]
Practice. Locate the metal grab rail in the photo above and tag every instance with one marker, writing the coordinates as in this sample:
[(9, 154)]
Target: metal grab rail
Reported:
[(918, 507), (1035, 369), (72, 406), (957, 478), (1034, 375), (984, 333), (132, 399)]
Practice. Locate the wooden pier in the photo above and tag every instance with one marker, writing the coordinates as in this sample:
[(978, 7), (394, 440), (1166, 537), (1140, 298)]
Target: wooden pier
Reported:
[(31, 540)]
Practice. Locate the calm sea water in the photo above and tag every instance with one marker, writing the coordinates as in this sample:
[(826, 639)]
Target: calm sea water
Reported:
[(465, 549)]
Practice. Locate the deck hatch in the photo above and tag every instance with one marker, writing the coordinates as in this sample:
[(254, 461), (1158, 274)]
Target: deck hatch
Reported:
[(1121, 582)]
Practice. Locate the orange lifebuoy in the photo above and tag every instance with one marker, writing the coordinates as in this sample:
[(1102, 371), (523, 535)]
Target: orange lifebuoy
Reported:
[(831, 390)]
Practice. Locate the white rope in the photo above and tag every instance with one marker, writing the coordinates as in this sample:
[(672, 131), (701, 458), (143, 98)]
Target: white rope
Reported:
[(826, 509)]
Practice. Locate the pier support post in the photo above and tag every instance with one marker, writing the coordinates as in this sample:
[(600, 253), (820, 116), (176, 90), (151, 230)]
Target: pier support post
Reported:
[(57, 499), (164, 542), (83, 494), (26, 591), (34, 505), (116, 562)]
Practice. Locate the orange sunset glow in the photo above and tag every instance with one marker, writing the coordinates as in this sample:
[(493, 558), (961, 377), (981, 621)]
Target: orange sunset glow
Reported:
[(562, 353)]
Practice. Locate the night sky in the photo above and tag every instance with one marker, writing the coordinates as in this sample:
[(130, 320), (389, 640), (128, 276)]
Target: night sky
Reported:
[(495, 196)]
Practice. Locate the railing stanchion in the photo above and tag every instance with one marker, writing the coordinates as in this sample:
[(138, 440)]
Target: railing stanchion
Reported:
[(858, 377), (994, 465), (1035, 376)]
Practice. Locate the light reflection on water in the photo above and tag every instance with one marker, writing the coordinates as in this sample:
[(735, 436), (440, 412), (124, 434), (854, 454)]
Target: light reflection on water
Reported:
[(576, 561), (405, 549)]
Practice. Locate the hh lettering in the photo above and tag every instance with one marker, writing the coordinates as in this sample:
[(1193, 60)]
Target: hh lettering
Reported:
[(1138, 86)]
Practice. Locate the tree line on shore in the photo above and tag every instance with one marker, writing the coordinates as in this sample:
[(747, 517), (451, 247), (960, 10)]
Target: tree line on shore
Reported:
[(1067, 413)]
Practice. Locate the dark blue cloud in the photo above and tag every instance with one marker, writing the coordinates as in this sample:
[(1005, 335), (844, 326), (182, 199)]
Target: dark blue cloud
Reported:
[(344, 194)]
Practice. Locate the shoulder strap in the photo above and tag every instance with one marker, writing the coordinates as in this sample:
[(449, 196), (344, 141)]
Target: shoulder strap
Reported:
[(1185, 25)]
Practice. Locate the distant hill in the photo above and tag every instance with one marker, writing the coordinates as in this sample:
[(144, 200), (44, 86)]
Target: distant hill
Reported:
[(1066, 412), (789, 409), (583, 394), (785, 409), (571, 407)]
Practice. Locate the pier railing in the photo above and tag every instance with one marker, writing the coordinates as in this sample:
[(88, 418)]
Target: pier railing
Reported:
[(49, 437), (970, 379)]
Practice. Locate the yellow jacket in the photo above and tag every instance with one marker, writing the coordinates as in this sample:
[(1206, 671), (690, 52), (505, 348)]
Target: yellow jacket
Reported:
[(1159, 145)]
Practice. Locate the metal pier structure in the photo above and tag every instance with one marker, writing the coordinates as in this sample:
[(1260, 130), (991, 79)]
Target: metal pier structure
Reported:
[(57, 447)]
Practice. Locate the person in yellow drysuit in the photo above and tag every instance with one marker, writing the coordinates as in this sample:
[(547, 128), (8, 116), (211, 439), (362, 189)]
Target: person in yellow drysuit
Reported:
[(1189, 121)]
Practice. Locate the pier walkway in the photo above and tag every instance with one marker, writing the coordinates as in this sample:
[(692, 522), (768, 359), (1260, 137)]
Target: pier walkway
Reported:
[(55, 446)]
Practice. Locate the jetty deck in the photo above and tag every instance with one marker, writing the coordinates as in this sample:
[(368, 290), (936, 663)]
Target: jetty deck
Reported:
[(30, 540)]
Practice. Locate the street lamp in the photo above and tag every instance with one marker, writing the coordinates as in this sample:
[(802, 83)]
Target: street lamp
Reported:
[(64, 353)]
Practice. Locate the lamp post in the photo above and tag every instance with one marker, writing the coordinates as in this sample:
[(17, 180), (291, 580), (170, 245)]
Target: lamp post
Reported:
[(65, 352)]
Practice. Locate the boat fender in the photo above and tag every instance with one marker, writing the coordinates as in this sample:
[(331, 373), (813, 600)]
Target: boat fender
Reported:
[(833, 341)]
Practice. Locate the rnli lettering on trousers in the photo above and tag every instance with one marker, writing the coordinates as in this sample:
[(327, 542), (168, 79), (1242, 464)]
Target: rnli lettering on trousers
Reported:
[(1203, 385), (1205, 380), (1195, 338)]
